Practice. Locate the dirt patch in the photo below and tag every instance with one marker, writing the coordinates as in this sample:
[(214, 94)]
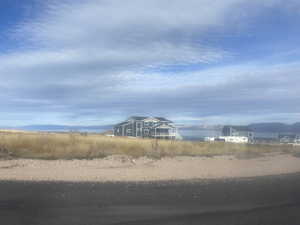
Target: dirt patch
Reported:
[(296, 154), (249, 155), (125, 168), (10, 165)]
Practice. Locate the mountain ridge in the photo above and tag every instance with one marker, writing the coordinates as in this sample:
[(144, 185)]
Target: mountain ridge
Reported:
[(274, 127)]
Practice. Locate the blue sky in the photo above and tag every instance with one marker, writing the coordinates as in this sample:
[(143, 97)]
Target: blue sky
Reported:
[(97, 62)]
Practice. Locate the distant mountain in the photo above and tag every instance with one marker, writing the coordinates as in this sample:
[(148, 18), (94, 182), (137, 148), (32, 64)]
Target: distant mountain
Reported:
[(296, 127), (64, 128), (256, 127), (200, 127), (275, 127)]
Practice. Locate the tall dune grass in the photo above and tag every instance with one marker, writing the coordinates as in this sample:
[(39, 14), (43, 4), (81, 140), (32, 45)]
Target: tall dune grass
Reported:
[(76, 146)]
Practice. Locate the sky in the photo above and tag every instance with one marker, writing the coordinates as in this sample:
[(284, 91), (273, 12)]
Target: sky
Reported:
[(97, 62)]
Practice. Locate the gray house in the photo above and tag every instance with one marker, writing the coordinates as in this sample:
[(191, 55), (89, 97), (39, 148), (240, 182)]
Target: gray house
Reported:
[(238, 131), (146, 127)]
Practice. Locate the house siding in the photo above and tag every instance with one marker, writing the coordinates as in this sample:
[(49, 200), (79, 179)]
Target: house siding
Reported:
[(146, 127)]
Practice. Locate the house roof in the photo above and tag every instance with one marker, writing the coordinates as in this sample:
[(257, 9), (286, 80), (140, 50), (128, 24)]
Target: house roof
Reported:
[(144, 117), (162, 119), (141, 118), (138, 117), (120, 124)]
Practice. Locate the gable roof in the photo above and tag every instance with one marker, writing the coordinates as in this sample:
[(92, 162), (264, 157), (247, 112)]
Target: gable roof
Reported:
[(120, 124), (138, 117), (146, 117), (162, 119)]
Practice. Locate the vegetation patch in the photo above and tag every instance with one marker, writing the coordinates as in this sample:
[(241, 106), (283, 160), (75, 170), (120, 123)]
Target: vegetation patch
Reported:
[(76, 146)]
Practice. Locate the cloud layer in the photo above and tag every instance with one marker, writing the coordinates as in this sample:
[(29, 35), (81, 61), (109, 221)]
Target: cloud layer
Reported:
[(96, 61)]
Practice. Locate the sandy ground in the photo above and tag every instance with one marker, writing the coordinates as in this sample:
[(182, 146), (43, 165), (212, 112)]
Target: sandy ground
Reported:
[(123, 168)]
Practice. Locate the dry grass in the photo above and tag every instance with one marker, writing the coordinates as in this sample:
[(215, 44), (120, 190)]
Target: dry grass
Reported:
[(76, 146)]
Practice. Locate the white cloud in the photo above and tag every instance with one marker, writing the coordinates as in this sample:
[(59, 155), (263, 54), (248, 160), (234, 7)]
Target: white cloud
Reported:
[(88, 59), (146, 32)]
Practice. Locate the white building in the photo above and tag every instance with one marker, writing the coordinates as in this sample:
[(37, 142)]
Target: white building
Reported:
[(209, 139), (234, 139)]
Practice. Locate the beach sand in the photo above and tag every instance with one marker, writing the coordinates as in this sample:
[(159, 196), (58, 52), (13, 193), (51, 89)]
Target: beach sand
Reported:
[(123, 168)]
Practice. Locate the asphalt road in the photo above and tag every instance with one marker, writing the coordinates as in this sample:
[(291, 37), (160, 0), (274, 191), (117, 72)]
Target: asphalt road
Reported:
[(273, 200)]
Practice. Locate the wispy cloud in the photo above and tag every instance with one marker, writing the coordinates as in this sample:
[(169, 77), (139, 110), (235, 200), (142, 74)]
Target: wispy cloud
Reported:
[(89, 60)]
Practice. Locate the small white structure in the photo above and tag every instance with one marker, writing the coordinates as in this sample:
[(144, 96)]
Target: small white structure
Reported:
[(178, 136), (209, 139), (234, 139)]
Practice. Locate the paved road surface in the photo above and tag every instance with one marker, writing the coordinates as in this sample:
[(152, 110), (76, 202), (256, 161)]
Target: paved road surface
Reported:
[(272, 200)]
